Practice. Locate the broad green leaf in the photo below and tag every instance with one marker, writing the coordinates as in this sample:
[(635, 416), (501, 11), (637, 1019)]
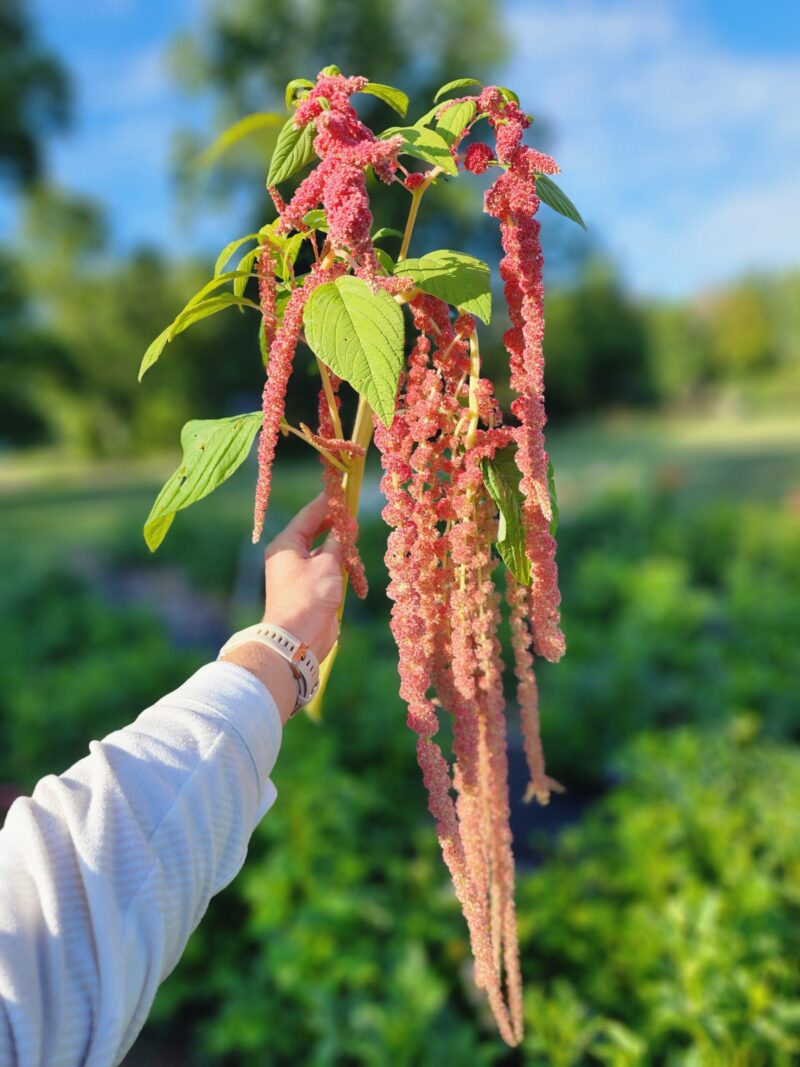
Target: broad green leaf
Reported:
[(385, 260), (193, 312), (454, 277), (501, 478), (458, 83), (293, 86), (212, 451), (359, 335), (395, 98), (451, 124), (230, 248), (316, 220), (552, 195), (386, 231), (551, 485), (424, 143), (295, 149), (262, 120)]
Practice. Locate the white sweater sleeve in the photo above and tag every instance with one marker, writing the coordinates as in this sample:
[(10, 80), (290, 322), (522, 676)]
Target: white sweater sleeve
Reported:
[(106, 870)]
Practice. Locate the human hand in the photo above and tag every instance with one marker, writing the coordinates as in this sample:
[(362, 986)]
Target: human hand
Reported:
[(304, 585), (303, 591)]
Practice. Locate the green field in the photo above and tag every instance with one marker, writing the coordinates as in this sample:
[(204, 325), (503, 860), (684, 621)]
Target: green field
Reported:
[(52, 503)]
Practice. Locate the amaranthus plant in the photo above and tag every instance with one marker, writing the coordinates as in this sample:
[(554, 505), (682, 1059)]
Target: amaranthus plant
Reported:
[(469, 489)]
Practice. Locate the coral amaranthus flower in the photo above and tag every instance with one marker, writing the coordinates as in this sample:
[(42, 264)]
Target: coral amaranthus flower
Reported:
[(448, 425)]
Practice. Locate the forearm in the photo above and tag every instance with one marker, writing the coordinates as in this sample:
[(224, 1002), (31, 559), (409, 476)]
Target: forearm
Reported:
[(106, 871), (272, 670)]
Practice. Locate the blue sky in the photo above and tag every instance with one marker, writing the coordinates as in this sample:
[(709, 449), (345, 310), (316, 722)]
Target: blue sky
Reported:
[(676, 123)]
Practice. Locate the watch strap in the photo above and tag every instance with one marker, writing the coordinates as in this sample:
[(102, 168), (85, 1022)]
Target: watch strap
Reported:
[(302, 661)]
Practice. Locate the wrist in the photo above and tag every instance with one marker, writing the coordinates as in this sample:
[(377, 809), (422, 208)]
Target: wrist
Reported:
[(272, 670)]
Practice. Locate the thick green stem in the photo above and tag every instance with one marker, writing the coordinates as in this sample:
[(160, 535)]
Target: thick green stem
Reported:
[(333, 407)]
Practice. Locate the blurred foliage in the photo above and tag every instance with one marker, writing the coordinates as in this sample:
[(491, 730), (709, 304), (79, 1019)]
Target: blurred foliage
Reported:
[(595, 345), (34, 95), (665, 928), (77, 316), (95, 317), (71, 668), (745, 335), (248, 50), (661, 929), (672, 615)]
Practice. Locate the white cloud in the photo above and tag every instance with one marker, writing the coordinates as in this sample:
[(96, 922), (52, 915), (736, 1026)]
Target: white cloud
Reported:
[(684, 154)]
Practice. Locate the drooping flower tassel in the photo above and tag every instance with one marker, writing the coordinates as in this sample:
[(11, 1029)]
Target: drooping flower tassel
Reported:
[(273, 400)]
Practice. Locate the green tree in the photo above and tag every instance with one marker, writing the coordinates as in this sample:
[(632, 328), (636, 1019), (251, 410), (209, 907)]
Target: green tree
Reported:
[(100, 314), (34, 95), (596, 345), (247, 51), (250, 49)]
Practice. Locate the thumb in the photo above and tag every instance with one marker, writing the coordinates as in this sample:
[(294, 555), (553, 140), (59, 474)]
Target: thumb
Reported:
[(304, 527), (331, 547)]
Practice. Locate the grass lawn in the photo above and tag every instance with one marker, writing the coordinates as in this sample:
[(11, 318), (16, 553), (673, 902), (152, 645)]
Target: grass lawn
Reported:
[(51, 503)]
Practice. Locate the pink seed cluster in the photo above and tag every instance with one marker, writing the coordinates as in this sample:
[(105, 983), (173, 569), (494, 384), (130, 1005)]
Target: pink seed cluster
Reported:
[(444, 620), (443, 522), (512, 199), (346, 147)]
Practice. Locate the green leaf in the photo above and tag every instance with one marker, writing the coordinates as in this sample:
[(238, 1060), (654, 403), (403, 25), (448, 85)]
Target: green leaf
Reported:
[(262, 343), (451, 124), (230, 248), (424, 143), (295, 149), (359, 335), (293, 86), (316, 220), (193, 312), (454, 277), (244, 269), (327, 72), (262, 120), (427, 118), (385, 260), (386, 231), (395, 98), (552, 195), (501, 478), (459, 83), (551, 485), (212, 450), (209, 287), (508, 94)]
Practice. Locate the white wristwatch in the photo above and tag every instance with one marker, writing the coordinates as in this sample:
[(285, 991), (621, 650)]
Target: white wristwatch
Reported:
[(304, 664)]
